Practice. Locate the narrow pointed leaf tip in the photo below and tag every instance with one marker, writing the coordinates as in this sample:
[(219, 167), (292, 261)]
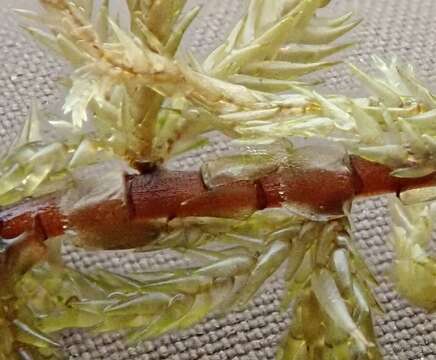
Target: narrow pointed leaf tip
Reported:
[(108, 58)]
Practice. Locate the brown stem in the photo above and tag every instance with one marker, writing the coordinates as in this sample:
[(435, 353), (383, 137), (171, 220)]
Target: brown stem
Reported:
[(152, 199)]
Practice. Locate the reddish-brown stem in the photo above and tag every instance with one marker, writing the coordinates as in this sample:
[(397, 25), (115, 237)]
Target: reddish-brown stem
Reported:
[(374, 178), (39, 220), (163, 195)]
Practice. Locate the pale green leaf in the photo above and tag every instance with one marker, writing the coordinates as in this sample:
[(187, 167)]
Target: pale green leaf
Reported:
[(283, 69), (326, 34), (388, 96)]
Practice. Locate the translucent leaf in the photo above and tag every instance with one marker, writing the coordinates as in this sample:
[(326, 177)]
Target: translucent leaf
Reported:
[(326, 34), (248, 31), (31, 130), (76, 102), (114, 281), (11, 179), (161, 16), (221, 51), (264, 84), (144, 304), (394, 155), (37, 176), (269, 14), (303, 53), (368, 128), (277, 34), (413, 138), (178, 308), (325, 244), (44, 38), (342, 269), (307, 235), (55, 152), (425, 121), (68, 319), (204, 304), (238, 167), (267, 265), (236, 59), (177, 34), (230, 267), (342, 119), (384, 92), (416, 88), (29, 335), (283, 69), (340, 20), (102, 22), (93, 306), (391, 74), (333, 304), (414, 270), (414, 172), (192, 284), (419, 195), (84, 155), (149, 38)]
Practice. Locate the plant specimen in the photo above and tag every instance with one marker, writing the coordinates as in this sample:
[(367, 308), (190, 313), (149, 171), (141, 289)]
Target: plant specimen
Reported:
[(102, 182)]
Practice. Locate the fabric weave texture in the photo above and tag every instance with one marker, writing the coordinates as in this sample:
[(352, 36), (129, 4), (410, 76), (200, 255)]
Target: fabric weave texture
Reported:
[(390, 27)]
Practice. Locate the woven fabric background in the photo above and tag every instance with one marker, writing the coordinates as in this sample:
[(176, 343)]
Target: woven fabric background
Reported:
[(391, 27)]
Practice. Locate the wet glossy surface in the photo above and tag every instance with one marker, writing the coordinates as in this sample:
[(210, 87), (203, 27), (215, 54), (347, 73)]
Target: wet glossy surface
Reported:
[(373, 179), (32, 215), (235, 199), (320, 190), (162, 195)]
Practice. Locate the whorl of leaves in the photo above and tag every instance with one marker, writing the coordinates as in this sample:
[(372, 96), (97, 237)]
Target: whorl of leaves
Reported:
[(138, 93), (232, 259)]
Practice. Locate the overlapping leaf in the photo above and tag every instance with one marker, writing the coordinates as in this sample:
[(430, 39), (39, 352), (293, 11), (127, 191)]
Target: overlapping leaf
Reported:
[(135, 71), (35, 167), (414, 269)]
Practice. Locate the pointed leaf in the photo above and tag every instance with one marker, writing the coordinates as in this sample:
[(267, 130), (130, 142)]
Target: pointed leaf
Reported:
[(283, 69)]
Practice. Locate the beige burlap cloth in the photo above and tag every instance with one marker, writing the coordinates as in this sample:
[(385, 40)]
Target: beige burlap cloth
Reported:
[(404, 28)]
